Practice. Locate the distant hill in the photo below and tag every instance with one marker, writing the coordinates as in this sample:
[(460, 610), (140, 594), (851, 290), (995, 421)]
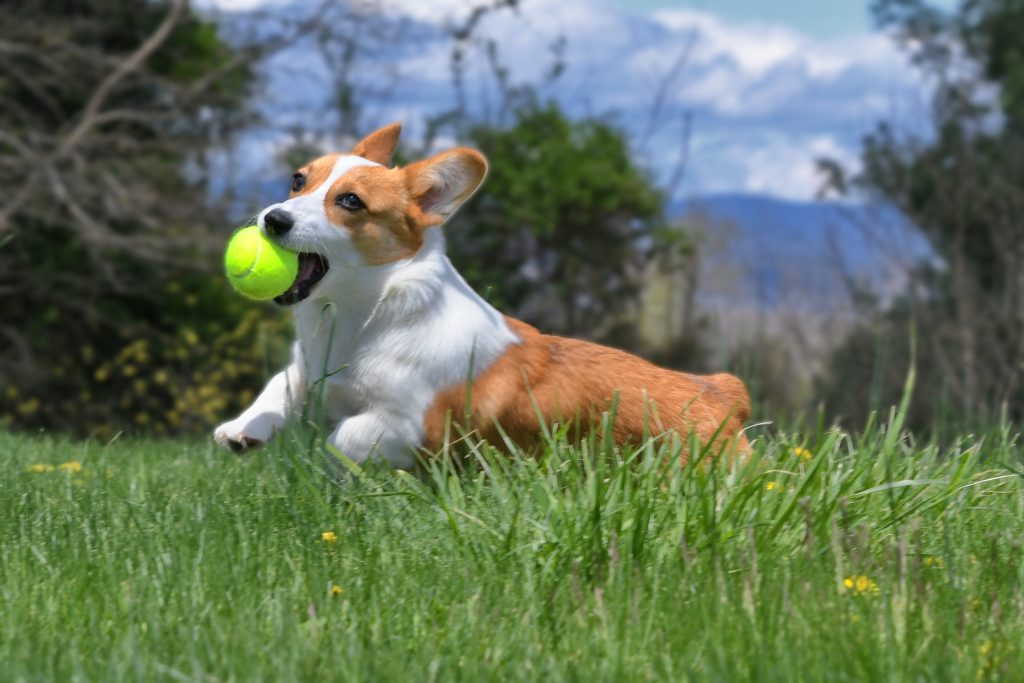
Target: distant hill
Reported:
[(778, 250), (773, 282)]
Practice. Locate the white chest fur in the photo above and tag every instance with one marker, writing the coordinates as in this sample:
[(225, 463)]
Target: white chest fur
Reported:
[(386, 340)]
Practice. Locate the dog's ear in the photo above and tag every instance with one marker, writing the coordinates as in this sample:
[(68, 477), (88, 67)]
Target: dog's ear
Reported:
[(379, 146), (440, 184)]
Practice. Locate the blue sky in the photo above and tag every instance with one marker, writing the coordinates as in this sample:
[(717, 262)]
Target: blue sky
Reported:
[(827, 18), (819, 17), (768, 86)]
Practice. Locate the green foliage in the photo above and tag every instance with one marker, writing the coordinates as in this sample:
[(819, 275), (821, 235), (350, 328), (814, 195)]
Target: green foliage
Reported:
[(563, 225), (823, 557), (991, 33)]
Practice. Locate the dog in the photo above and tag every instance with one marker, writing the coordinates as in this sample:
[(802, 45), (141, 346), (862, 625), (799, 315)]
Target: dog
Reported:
[(401, 343)]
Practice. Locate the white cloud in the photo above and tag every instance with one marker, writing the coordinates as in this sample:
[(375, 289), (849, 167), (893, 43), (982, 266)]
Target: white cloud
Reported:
[(754, 68), (787, 167), (756, 47)]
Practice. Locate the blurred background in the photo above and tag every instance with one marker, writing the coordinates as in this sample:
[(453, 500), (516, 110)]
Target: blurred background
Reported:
[(812, 195)]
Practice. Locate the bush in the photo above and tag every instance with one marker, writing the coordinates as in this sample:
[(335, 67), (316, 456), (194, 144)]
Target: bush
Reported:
[(194, 363)]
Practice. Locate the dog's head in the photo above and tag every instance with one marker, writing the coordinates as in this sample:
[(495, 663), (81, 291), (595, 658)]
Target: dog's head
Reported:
[(348, 211)]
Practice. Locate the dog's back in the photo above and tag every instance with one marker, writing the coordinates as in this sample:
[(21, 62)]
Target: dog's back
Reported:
[(570, 381)]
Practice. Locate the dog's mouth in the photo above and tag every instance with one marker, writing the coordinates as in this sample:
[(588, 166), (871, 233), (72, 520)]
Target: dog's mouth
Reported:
[(312, 268)]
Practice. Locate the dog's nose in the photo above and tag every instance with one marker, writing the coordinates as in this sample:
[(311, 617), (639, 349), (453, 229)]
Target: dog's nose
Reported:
[(278, 222)]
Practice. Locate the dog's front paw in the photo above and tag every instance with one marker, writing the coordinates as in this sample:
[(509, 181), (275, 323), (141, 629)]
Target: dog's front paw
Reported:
[(238, 437)]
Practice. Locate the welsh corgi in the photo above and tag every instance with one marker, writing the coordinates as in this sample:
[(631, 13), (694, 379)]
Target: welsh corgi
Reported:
[(400, 341)]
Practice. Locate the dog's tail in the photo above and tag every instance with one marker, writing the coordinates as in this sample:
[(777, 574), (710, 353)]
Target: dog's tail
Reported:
[(734, 393)]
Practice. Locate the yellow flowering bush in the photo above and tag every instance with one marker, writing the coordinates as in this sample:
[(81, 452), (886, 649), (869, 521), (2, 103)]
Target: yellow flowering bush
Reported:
[(203, 366)]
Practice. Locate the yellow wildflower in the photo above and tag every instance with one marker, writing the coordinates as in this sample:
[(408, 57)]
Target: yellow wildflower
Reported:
[(802, 453), (860, 585), (102, 374), (772, 485), (12, 392), (336, 590), (931, 561), (329, 537), (39, 468), (70, 466), (160, 377), (128, 370)]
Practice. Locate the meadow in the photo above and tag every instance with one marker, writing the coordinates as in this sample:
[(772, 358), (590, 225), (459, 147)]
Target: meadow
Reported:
[(824, 556)]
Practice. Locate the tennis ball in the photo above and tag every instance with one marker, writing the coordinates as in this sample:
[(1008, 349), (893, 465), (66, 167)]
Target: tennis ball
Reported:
[(257, 267)]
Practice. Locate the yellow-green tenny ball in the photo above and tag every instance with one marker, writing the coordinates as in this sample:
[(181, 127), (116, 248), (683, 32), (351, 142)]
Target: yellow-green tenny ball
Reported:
[(257, 267)]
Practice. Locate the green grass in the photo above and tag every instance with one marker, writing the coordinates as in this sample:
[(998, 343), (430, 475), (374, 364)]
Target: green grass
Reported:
[(172, 561)]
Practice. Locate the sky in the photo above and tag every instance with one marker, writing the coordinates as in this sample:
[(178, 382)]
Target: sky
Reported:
[(826, 18), (764, 88), (816, 17)]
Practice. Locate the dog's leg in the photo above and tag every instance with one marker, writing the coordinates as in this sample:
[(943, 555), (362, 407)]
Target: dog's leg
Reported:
[(377, 435), (268, 412)]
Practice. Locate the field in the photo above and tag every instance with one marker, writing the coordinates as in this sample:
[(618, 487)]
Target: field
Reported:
[(826, 556)]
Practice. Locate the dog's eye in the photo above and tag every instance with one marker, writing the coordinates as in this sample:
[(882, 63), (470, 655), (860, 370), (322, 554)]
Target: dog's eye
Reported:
[(298, 182), (350, 201)]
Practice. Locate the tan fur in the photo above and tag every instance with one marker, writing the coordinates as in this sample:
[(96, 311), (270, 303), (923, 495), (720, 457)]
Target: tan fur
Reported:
[(384, 231), (426, 180), (565, 379), (316, 172), (380, 145), (400, 202)]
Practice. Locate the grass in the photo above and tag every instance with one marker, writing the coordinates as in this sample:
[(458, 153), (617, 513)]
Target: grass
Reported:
[(823, 557)]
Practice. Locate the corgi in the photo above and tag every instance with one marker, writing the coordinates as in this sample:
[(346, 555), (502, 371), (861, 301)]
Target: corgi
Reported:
[(401, 343)]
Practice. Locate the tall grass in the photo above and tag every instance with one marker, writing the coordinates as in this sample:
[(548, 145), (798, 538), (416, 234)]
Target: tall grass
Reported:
[(824, 556)]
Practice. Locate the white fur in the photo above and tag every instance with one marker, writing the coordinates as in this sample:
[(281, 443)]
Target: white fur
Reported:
[(385, 340)]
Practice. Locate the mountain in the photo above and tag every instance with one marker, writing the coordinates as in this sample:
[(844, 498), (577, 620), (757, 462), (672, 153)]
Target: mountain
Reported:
[(774, 251)]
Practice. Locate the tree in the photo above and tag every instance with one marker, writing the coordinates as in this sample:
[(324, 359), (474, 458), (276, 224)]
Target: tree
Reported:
[(563, 226), (963, 187), (108, 110)]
